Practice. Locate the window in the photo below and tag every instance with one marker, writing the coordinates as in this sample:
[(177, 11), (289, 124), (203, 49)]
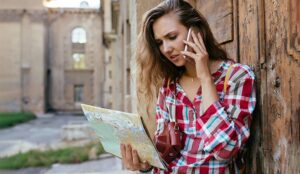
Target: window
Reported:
[(110, 74), (110, 89), (115, 15), (79, 61), (128, 76), (78, 93), (110, 105), (90, 4), (78, 35), (84, 4)]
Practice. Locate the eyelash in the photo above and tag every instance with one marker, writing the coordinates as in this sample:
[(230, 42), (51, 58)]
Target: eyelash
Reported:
[(159, 43), (170, 37), (173, 37)]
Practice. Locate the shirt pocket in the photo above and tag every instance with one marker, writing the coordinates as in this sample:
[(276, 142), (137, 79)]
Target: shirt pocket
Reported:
[(189, 121)]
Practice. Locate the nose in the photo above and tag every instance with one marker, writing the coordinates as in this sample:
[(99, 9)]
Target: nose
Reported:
[(167, 48)]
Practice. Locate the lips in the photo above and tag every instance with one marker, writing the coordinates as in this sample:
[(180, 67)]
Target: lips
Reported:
[(174, 56)]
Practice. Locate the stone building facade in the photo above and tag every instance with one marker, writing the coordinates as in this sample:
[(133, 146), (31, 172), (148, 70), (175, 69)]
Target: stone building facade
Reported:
[(50, 58), (74, 66), (121, 26), (22, 55)]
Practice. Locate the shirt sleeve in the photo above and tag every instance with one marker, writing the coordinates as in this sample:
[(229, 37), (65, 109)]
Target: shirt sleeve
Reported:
[(225, 125), (162, 113)]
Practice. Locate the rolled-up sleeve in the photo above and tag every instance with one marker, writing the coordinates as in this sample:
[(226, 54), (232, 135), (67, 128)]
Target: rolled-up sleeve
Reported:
[(225, 125), (162, 113)]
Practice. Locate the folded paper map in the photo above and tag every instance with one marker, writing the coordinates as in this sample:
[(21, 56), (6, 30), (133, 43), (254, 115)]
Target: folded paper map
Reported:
[(115, 128)]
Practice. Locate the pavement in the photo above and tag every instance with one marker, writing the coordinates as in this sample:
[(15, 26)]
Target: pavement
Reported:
[(55, 131)]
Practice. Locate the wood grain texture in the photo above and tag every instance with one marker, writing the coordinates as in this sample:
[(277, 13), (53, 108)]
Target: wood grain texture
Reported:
[(251, 51), (219, 14), (283, 88)]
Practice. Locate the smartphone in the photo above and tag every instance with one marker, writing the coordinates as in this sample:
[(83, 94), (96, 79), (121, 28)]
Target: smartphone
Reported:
[(188, 38)]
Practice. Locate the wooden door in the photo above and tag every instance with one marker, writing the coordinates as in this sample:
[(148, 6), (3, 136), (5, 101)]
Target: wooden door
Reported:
[(281, 98), (266, 35)]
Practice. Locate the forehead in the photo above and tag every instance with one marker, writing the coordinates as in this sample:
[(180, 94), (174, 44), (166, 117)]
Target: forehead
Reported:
[(166, 24)]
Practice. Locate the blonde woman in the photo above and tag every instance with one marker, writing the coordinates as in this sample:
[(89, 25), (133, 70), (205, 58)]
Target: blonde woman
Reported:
[(214, 121)]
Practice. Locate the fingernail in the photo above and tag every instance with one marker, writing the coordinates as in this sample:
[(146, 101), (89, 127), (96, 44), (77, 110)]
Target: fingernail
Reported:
[(144, 161)]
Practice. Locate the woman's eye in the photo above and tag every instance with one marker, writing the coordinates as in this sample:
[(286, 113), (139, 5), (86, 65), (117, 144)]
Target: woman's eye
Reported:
[(173, 37), (158, 42)]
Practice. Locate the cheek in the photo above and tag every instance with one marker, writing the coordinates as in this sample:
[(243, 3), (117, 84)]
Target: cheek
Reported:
[(180, 44)]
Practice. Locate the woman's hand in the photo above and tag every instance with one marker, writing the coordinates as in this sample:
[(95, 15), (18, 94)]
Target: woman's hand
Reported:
[(200, 56), (131, 159)]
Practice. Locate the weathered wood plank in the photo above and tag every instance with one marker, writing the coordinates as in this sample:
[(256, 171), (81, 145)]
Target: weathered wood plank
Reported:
[(294, 29), (232, 47), (252, 51), (219, 14), (222, 18), (283, 93)]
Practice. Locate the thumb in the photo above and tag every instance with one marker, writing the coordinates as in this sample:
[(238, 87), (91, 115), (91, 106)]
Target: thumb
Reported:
[(145, 165)]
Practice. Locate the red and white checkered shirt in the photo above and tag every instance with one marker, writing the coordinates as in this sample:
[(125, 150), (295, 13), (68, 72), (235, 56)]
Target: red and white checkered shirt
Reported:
[(210, 138)]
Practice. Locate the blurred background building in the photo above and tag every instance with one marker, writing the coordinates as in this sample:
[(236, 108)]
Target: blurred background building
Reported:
[(51, 59), (60, 53)]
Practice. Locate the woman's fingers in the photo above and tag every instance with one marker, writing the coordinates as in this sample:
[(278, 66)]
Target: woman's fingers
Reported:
[(198, 46), (190, 54), (131, 160), (129, 157), (192, 45), (123, 151), (197, 41), (136, 160), (201, 41), (145, 165)]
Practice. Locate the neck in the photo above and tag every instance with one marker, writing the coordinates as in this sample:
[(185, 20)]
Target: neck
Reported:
[(191, 68)]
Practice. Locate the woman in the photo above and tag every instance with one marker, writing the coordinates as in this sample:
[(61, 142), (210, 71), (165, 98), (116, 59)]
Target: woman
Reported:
[(214, 122)]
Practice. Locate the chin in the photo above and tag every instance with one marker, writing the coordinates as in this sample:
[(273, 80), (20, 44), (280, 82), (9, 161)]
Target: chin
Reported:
[(180, 62)]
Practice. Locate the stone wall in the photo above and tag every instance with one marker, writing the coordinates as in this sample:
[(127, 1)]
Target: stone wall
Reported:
[(23, 4), (10, 74), (137, 12), (36, 68), (61, 63), (23, 60)]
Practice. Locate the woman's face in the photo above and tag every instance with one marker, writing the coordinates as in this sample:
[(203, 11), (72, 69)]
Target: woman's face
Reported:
[(169, 34)]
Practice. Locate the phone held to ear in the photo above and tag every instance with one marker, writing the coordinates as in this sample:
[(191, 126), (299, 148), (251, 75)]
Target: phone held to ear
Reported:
[(188, 38)]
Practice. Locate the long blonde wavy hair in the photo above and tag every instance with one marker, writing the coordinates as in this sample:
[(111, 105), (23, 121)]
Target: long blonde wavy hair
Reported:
[(152, 65)]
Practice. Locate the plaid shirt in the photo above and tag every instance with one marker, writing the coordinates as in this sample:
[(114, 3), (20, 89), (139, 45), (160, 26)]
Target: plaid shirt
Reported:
[(210, 138)]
